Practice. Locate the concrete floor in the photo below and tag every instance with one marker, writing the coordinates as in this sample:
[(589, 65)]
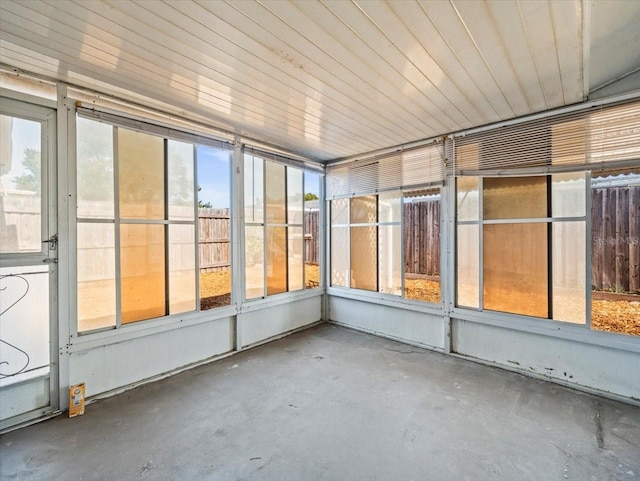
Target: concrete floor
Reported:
[(333, 404)]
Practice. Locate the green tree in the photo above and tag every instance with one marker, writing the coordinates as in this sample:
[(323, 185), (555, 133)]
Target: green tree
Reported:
[(32, 180), (310, 196), (203, 205)]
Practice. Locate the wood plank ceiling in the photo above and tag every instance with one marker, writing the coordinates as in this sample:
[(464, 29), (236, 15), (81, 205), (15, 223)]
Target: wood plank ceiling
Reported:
[(330, 79)]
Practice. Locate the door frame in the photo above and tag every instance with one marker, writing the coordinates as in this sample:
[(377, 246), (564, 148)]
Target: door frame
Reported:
[(40, 110)]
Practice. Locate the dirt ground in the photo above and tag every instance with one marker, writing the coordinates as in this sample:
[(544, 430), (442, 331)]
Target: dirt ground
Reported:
[(611, 316)]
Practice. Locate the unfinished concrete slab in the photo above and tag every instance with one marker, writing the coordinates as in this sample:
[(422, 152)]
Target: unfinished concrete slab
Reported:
[(334, 404)]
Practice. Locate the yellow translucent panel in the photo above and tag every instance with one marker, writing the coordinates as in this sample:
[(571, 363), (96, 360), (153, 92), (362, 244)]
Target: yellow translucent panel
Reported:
[(568, 194), (569, 271), (141, 175), (295, 258), (339, 211), (364, 268), (275, 189), (276, 260), (515, 272), (253, 189), (468, 266), (514, 197), (569, 142), (389, 207), (96, 276), (180, 180), (363, 209), (20, 185), (143, 272), (467, 198), (390, 259), (340, 256), (182, 268), (295, 196), (94, 169), (254, 261)]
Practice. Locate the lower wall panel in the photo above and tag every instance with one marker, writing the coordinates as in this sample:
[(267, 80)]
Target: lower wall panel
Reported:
[(597, 367), (402, 324), (118, 365), (258, 325)]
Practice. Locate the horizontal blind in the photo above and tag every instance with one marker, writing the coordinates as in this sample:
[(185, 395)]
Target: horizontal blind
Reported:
[(150, 127), (404, 169), (281, 159), (578, 139)]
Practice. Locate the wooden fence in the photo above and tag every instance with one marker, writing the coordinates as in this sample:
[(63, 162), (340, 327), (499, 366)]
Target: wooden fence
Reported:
[(312, 236), (615, 237), (422, 237)]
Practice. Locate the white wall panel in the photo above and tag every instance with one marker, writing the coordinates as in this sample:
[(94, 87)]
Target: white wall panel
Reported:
[(597, 367), (121, 364), (402, 324), (259, 325)]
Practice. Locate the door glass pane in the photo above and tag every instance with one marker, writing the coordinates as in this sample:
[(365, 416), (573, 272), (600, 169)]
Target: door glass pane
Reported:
[(24, 297), (295, 246), (364, 243), (568, 194), (295, 197), (390, 261), (254, 252), (180, 180), (514, 197), (340, 256), (143, 272), (96, 276), (363, 209), (468, 265), (141, 175), (182, 268), (94, 169), (275, 193), (389, 204), (20, 185), (253, 189), (312, 230), (569, 272), (515, 268), (276, 260)]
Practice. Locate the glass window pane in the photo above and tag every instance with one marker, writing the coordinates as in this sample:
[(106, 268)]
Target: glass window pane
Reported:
[(389, 207), (96, 276), (515, 272), (275, 193), (390, 259), (296, 266), (276, 260), (21, 184), (180, 180), (364, 248), (142, 270), (253, 189), (254, 251), (514, 197), (295, 196), (312, 230), (422, 248), (340, 256), (182, 268), (339, 211), (568, 194), (467, 198), (363, 209), (95, 169), (141, 175), (569, 271), (214, 177), (468, 265)]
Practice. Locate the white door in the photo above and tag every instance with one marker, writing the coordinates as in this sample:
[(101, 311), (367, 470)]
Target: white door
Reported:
[(28, 256)]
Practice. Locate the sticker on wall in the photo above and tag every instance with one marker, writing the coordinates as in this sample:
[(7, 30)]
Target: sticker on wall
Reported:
[(76, 400)]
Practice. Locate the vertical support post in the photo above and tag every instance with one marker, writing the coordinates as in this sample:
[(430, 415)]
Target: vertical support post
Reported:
[(323, 248), (238, 281), (446, 257)]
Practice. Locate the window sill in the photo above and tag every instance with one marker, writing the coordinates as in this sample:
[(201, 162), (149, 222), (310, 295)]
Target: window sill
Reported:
[(277, 299), (386, 300)]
